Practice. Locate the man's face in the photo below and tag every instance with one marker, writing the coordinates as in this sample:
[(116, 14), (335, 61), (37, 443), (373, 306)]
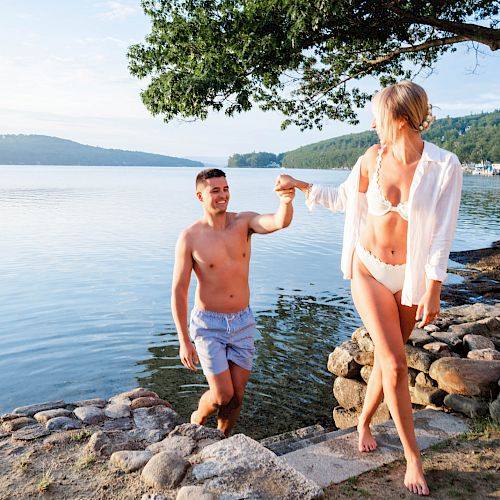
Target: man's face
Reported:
[(214, 195)]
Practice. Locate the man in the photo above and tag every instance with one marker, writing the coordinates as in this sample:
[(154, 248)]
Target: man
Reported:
[(222, 326)]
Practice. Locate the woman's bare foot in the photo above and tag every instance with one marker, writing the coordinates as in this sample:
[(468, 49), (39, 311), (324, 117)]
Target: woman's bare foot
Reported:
[(195, 419), (366, 440), (414, 478)]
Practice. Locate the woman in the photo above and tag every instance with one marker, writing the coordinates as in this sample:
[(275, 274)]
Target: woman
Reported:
[(401, 202)]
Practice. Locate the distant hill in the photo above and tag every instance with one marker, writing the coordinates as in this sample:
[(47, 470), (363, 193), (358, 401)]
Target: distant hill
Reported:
[(472, 138), (45, 150)]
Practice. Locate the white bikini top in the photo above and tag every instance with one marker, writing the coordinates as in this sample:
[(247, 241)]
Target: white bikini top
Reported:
[(378, 204)]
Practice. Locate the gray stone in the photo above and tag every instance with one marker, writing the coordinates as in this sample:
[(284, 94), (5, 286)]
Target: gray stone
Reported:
[(130, 461), (100, 403), (341, 360), (495, 410), (484, 354), (30, 410), (64, 437), (89, 414), (17, 423), (137, 393), (116, 410), (149, 435), (154, 496), (197, 432), (121, 400), (424, 396), (147, 402), (469, 328), (412, 376), (44, 416), (62, 424), (365, 372), (11, 416), (431, 328), (194, 493), (365, 358), (106, 443), (349, 418), (468, 377), (418, 358), (182, 445), (419, 337), (424, 380), (118, 424), (493, 324), (240, 466), (30, 432), (363, 339), (468, 406), (476, 342), (165, 470), (349, 393), (156, 417), (437, 347), (450, 338)]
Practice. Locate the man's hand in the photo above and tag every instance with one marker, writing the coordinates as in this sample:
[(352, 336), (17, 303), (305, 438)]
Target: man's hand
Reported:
[(286, 196), (429, 306), (187, 353), (284, 181)]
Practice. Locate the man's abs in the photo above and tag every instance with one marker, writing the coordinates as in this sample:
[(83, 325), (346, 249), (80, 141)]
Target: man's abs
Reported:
[(224, 295)]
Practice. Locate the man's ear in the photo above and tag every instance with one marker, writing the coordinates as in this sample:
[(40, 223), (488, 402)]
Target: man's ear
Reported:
[(199, 195)]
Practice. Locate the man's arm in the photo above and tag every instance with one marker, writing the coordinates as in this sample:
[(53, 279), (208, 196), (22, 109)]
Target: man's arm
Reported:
[(268, 223), (180, 286)]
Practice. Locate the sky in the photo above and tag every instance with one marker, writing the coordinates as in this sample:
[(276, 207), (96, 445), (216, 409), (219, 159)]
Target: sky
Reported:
[(63, 72)]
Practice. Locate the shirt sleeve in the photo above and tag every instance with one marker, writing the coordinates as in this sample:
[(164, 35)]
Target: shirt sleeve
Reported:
[(445, 222)]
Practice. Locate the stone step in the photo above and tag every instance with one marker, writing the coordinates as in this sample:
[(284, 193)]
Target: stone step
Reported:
[(337, 458)]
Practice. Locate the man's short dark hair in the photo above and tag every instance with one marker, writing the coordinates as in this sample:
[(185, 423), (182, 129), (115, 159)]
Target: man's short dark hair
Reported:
[(208, 173)]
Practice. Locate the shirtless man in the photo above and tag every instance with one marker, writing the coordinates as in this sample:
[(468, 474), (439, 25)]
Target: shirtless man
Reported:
[(222, 326)]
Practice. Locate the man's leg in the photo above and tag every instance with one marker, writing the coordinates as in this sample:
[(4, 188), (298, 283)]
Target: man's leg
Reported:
[(228, 414), (221, 393)]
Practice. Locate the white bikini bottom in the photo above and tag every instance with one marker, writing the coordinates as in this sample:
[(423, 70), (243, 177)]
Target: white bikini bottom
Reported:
[(389, 275)]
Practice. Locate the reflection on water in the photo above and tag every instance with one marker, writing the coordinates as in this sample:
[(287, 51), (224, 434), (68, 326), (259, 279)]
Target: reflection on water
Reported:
[(290, 386)]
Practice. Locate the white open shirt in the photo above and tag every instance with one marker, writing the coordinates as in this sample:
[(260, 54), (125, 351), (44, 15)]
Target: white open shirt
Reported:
[(433, 206)]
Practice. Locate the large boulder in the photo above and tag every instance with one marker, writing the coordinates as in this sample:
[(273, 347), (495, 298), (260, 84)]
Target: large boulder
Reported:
[(476, 342), (468, 377), (421, 395), (44, 416), (165, 470), (30, 410), (418, 358), (349, 418), (419, 337), (349, 393), (90, 414), (183, 445), (106, 443), (484, 354), (341, 361), (363, 339), (471, 407), (473, 327), (156, 417), (130, 461)]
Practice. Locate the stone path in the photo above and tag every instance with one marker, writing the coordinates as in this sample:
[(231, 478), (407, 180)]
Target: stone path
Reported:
[(337, 459)]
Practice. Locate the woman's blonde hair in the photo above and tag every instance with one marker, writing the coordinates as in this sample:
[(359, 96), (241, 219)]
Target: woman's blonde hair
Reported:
[(402, 100)]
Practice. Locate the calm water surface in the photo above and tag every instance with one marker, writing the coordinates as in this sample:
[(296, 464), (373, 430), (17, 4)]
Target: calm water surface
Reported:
[(86, 266)]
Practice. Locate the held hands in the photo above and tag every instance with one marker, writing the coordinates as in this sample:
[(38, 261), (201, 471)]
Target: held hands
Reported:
[(284, 181), (429, 306), (187, 353)]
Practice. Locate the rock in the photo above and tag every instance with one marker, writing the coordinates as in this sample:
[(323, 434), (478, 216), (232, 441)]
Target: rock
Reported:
[(363, 339), (121, 400), (437, 347), (341, 360), (17, 423), (419, 337), (476, 342), (468, 406), (364, 358), (165, 470), (118, 424), (412, 376), (349, 418), (154, 496), (495, 410), (11, 416), (156, 417), (100, 403), (147, 402), (130, 461), (418, 358), (493, 324), (62, 424), (468, 328), (484, 354), (64, 437), (89, 414), (468, 377), (44, 416), (365, 372), (182, 445), (424, 380), (106, 443), (424, 396), (431, 328), (453, 340), (36, 408), (117, 410), (239, 467), (149, 435), (137, 393), (349, 393), (194, 493), (197, 432), (30, 432)]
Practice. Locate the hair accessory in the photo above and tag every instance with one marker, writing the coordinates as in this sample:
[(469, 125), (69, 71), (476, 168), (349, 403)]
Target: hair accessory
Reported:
[(427, 120)]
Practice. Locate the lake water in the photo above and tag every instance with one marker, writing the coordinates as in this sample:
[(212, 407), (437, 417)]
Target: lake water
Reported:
[(86, 266)]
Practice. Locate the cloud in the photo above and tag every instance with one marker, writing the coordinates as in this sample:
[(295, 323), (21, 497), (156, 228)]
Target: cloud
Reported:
[(117, 10)]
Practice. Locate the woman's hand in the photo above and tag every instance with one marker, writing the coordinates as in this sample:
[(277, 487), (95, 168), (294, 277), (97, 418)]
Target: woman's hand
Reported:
[(284, 181), (430, 304)]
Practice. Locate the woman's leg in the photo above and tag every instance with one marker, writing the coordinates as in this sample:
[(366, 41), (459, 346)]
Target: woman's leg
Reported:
[(379, 311), (374, 391)]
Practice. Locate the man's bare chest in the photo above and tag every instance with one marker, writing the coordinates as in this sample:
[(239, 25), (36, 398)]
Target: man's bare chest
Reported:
[(221, 248)]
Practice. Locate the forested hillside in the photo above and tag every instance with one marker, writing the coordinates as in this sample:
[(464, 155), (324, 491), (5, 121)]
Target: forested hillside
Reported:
[(45, 150)]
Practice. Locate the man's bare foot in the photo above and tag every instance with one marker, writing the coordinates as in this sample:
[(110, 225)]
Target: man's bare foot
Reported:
[(414, 478), (366, 440), (195, 419)]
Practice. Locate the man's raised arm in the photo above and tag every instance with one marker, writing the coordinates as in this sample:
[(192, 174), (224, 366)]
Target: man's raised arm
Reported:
[(183, 267), (268, 223)]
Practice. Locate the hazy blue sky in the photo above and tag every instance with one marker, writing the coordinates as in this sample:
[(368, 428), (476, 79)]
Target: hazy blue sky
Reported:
[(63, 72)]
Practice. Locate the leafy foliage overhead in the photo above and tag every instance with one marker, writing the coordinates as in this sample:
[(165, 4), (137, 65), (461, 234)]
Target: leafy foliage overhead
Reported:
[(299, 57)]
